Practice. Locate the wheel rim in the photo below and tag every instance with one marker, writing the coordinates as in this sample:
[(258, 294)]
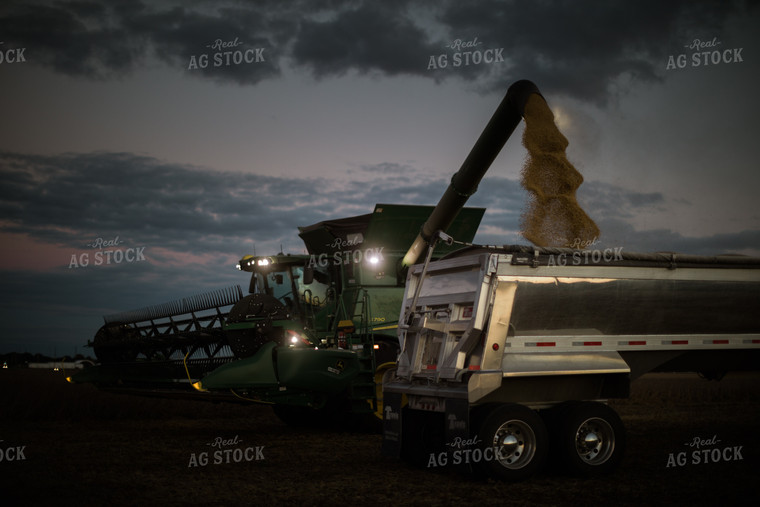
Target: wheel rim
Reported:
[(514, 444), (595, 441)]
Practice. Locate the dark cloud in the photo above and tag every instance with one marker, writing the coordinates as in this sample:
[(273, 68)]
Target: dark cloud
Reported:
[(606, 200), (73, 198), (74, 39), (374, 37), (617, 233), (584, 50), (105, 41), (69, 198)]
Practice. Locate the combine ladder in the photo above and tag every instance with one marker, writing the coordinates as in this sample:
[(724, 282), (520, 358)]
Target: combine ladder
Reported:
[(362, 342)]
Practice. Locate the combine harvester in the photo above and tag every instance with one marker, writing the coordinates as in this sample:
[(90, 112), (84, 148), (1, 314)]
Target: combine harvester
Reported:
[(510, 352)]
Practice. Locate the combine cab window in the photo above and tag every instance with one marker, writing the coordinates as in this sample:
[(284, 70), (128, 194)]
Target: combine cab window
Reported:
[(315, 293), (283, 284)]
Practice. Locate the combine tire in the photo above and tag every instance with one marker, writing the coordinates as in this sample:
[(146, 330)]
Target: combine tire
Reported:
[(589, 439), (514, 443)]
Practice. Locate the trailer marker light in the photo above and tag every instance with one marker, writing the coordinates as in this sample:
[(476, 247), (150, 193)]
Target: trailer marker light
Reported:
[(496, 346)]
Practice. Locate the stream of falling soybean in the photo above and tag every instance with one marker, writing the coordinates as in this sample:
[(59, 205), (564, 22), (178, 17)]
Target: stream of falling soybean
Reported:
[(552, 216)]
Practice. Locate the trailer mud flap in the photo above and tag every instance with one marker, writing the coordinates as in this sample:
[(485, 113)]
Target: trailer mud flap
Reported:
[(392, 423), (457, 431)]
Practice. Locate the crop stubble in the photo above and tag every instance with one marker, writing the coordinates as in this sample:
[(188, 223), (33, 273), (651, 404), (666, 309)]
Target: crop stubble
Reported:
[(84, 445)]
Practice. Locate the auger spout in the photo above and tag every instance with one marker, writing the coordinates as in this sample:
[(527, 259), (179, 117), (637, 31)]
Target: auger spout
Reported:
[(465, 182)]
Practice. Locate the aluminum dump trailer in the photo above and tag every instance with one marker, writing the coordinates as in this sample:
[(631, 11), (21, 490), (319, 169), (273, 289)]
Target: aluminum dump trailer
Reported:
[(506, 352)]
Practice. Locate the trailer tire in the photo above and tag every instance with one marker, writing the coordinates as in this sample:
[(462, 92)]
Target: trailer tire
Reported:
[(589, 439), (517, 440)]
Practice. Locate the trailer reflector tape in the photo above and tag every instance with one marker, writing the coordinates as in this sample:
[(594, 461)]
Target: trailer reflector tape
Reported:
[(541, 344), (587, 344), (633, 342), (716, 342), (675, 342), (430, 367)]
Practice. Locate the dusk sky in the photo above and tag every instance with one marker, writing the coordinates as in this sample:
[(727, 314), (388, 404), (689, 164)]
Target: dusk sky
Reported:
[(117, 122)]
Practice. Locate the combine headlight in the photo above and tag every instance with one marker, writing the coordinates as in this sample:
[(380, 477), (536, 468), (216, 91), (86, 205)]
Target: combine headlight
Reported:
[(296, 340)]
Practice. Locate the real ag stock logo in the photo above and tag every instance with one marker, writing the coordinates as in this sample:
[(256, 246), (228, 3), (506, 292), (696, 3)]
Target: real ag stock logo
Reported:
[(9, 453), (105, 253), (12, 55), (226, 451), (463, 53), (705, 451), (704, 53), (225, 54)]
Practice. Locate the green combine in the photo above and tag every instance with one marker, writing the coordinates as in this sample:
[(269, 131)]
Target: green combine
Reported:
[(313, 336)]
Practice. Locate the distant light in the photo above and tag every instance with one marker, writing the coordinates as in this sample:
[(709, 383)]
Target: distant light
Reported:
[(374, 260)]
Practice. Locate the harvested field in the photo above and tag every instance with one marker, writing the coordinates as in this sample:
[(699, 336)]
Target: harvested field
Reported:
[(73, 444)]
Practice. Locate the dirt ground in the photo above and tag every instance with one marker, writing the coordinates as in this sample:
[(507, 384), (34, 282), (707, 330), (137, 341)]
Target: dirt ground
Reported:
[(75, 445)]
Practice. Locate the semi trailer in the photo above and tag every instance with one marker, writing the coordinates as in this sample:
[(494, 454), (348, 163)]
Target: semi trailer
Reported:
[(515, 350)]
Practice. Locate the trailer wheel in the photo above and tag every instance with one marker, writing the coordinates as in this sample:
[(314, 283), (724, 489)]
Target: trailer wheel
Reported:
[(514, 443), (590, 439)]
